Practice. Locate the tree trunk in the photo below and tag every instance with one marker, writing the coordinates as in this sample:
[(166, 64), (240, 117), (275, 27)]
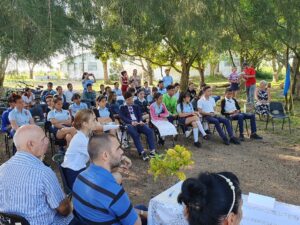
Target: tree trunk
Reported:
[(31, 73), (105, 71), (3, 66), (231, 58), (275, 71), (296, 71), (201, 68), (185, 73), (149, 72)]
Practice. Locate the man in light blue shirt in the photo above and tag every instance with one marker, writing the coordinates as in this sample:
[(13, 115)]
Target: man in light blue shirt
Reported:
[(168, 79), (161, 88), (29, 188), (117, 90)]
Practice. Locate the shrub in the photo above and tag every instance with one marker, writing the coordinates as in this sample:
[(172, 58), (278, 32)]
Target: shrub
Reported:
[(172, 163)]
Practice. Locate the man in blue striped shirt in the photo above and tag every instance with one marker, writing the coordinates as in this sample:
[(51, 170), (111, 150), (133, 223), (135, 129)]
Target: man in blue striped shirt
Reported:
[(29, 188), (97, 197)]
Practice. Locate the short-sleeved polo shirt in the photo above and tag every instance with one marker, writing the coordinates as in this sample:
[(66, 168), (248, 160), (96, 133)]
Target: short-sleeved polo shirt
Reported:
[(103, 112), (58, 115), (186, 108), (206, 105), (75, 108), (21, 117), (97, 197)]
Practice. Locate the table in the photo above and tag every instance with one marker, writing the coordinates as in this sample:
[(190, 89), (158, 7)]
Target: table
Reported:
[(164, 210)]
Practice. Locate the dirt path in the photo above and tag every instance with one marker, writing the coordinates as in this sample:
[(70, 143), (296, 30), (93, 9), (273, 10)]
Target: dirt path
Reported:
[(263, 167), (266, 167)]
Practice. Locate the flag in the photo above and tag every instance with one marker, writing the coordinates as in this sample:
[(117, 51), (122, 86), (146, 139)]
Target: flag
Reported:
[(287, 81)]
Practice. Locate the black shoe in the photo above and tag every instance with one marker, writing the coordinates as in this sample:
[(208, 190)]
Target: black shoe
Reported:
[(197, 144), (226, 141), (242, 138), (235, 141), (152, 154), (206, 137), (161, 142), (145, 157), (255, 137), (207, 132)]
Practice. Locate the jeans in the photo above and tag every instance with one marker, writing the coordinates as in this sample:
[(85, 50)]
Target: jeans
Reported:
[(216, 120), (250, 93), (240, 118), (135, 131)]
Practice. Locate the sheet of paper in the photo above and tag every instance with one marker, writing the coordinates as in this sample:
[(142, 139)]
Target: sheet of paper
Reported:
[(165, 128), (261, 200)]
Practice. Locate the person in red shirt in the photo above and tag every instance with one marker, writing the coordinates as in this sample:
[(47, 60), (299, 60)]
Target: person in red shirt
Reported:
[(124, 81), (249, 74)]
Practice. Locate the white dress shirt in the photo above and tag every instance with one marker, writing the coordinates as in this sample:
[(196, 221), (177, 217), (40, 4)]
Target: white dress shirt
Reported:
[(206, 105), (69, 95), (229, 105), (77, 156)]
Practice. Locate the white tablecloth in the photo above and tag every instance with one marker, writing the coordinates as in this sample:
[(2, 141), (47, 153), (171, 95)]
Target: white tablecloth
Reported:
[(164, 210)]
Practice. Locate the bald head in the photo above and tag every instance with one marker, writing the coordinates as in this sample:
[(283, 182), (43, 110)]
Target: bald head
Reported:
[(31, 138)]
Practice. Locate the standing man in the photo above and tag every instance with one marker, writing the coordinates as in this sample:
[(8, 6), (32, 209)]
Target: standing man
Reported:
[(168, 79), (97, 197), (29, 188), (69, 93), (249, 75)]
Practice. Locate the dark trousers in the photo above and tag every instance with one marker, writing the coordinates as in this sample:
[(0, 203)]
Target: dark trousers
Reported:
[(216, 120), (241, 117), (135, 131), (71, 175)]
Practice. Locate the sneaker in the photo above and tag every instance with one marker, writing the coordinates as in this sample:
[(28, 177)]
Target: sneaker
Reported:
[(197, 144), (226, 141), (152, 154), (188, 133), (255, 137), (145, 157), (242, 138), (235, 141)]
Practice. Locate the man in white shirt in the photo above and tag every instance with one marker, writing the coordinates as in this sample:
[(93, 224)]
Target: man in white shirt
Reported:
[(231, 109), (206, 106), (69, 93)]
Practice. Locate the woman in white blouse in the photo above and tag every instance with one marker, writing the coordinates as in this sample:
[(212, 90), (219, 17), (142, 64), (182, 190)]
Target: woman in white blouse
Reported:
[(77, 156), (28, 97)]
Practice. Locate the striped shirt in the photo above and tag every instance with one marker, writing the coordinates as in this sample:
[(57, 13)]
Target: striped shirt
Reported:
[(98, 198), (30, 189)]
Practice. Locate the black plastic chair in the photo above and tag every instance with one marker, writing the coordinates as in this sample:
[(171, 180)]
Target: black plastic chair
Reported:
[(58, 159), (277, 112), (11, 219)]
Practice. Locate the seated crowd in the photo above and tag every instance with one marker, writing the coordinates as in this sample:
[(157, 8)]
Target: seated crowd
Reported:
[(95, 130)]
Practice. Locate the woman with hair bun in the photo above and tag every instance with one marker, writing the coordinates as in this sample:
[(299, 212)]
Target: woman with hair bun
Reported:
[(212, 199)]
